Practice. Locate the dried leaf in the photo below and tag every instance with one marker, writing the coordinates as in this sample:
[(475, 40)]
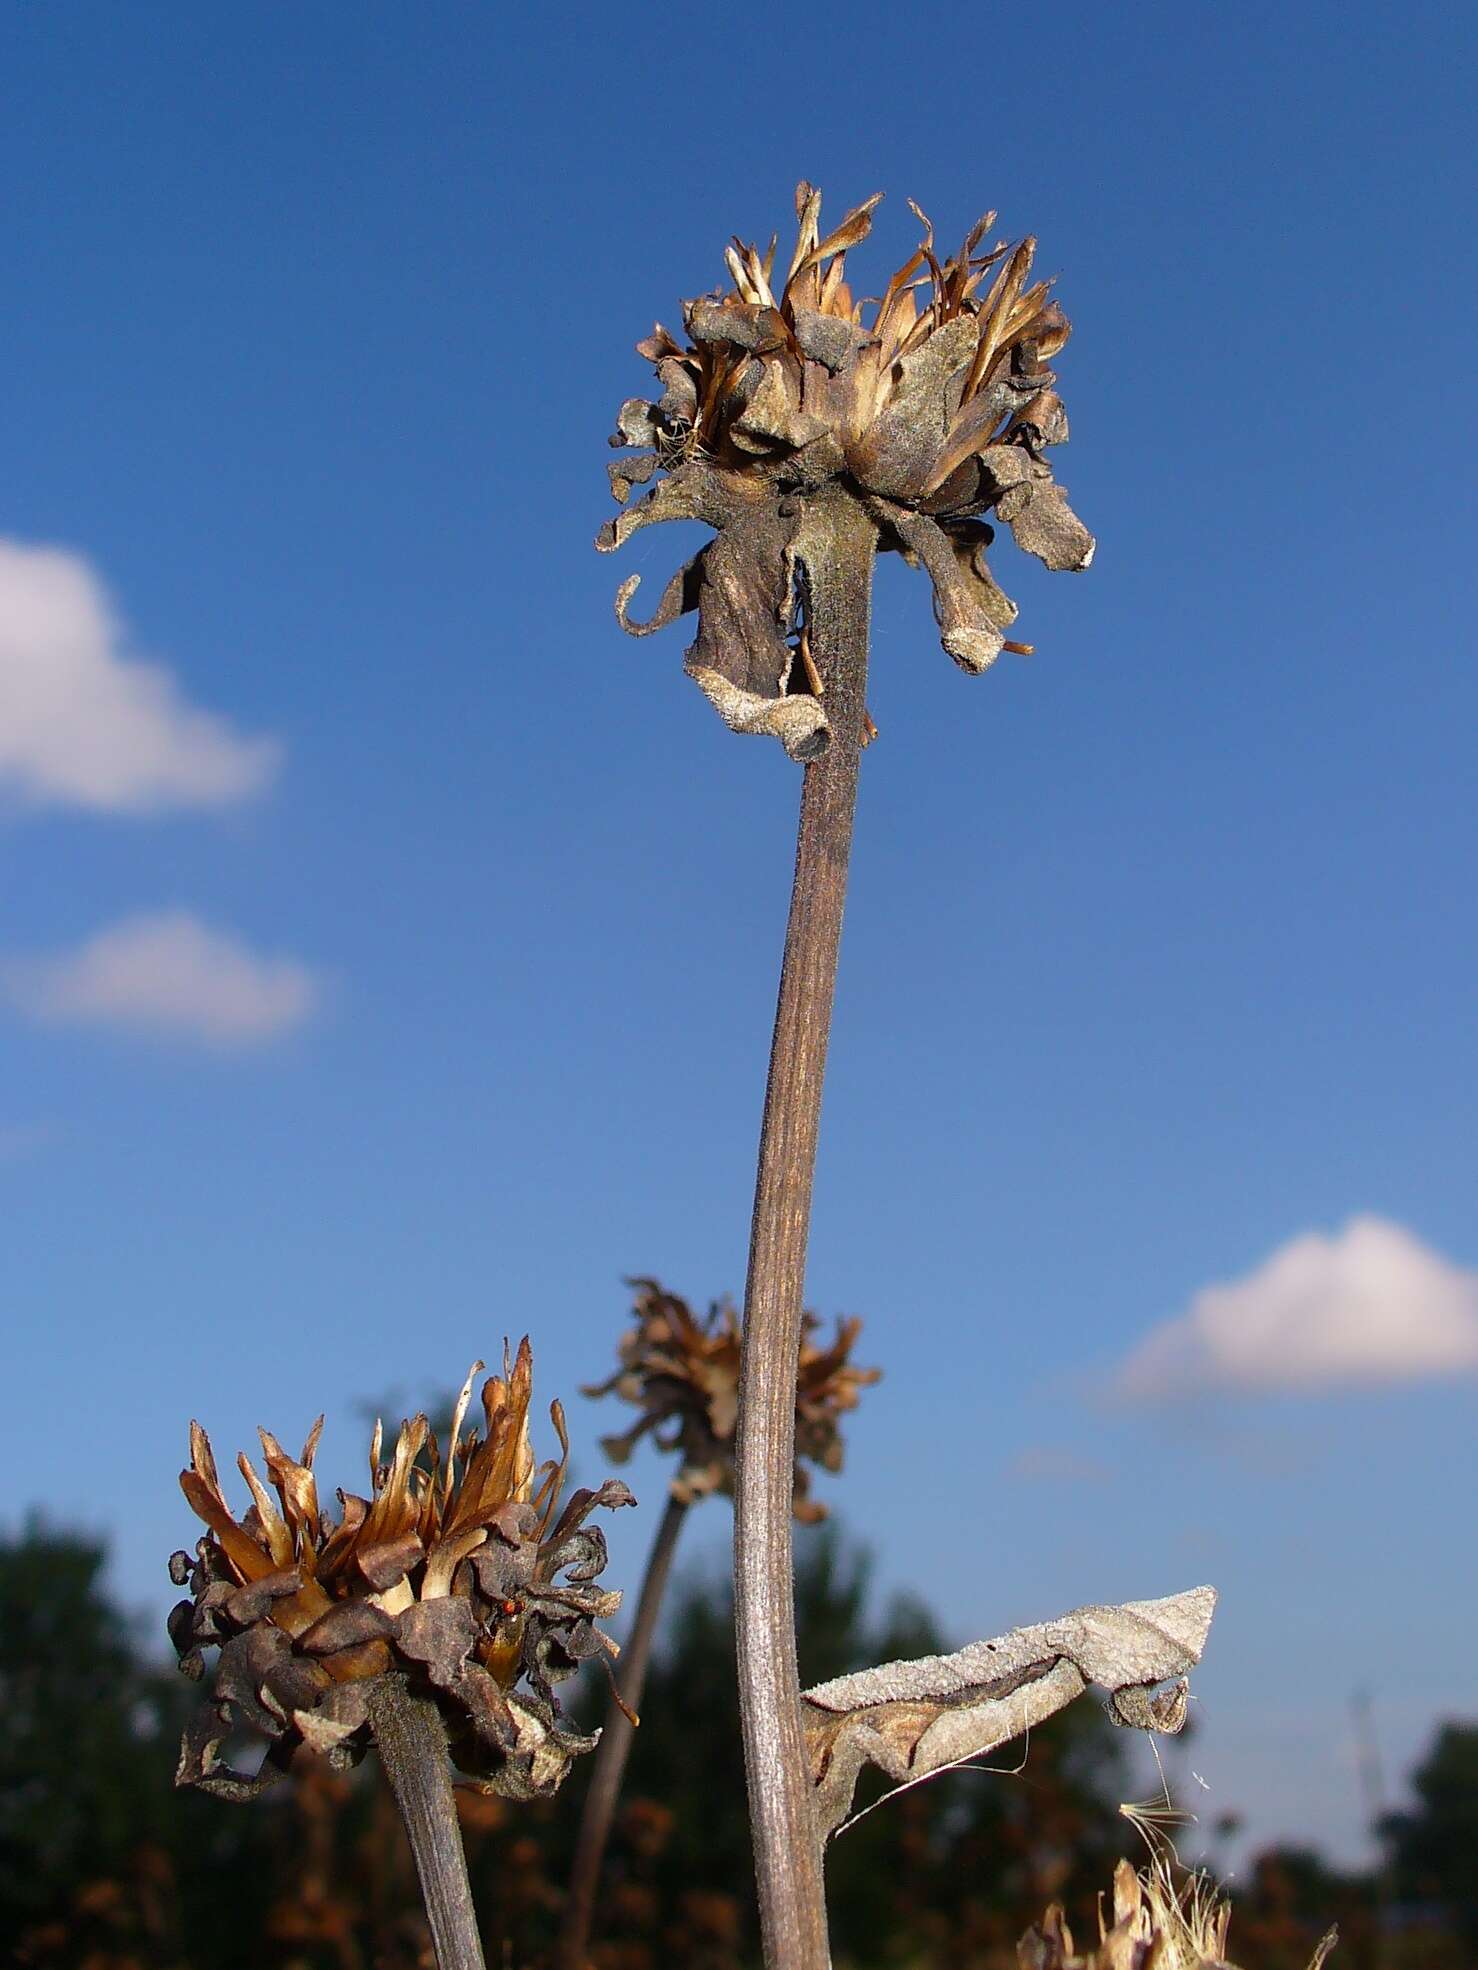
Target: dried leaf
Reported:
[(382, 1566), (773, 414), (972, 612), (896, 454), (740, 324), (250, 1602), (914, 1718), (439, 1634), (1042, 522), (346, 1625), (635, 424), (741, 660), (827, 339)]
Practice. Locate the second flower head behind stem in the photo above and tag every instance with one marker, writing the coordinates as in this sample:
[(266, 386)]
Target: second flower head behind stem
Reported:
[(458, 1572), (681, 1369)]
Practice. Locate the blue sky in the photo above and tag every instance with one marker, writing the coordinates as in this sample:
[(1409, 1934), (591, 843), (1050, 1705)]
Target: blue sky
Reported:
[(393, 968)]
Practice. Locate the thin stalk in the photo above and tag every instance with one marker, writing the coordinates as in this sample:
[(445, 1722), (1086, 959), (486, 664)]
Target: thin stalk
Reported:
[(411, 1741), (836, 548), (615, 1745)]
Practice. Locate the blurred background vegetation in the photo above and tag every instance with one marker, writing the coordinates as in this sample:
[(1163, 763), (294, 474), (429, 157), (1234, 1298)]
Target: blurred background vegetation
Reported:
[(103, 1866)]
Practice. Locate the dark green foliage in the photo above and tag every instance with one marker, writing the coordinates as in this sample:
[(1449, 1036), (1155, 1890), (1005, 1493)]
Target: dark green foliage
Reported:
[(1434, 1848), (74, 1719), (103, 1863), (98, 1853), (1291, 1898)]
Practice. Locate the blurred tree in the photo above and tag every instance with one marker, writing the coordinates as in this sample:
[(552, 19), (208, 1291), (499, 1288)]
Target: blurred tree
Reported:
[(1293, 1897), (75, 1794), (104, 1864), (1434, 1847), (101, 1861)]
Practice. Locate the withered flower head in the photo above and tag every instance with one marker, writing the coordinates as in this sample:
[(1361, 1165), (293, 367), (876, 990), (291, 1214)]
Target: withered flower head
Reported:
[(1159, 1923), (448, 1574), (931, 406), (682, 1372)]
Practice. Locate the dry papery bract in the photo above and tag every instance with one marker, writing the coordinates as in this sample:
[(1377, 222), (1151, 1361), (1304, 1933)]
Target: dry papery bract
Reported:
[(682, 1371), (461, 1575), (1158, 1924), (931, 406), (912, 1719)]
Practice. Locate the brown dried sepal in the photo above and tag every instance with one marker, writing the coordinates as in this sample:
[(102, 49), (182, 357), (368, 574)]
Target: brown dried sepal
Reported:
[(461, 1580), (938, 412)]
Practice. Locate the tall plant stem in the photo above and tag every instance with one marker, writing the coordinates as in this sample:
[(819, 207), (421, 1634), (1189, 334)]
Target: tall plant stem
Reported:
[(615, 1745), (836, 547), (411, 1741)]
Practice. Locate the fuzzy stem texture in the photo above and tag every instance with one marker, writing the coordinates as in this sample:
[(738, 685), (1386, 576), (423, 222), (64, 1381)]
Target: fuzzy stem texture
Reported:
[(836, 547), (611, 1753), (411, 1741)]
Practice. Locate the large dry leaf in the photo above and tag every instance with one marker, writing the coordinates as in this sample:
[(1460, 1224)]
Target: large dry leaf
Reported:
[(914, 1718)]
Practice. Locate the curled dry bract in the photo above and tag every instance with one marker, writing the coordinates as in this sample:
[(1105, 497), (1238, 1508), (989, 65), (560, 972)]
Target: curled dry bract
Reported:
[(914, 1718), (463, 1577), (932, 406)]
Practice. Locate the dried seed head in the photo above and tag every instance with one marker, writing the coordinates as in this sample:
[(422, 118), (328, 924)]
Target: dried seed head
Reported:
[(447, 1573), (682, 1372), (931, 406), (1159, 1923)]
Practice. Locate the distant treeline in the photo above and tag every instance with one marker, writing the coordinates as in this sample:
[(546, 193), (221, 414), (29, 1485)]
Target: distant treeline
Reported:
[(104, 1866)]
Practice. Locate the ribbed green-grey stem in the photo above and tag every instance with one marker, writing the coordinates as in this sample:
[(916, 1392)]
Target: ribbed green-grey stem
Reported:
[(411, 1741), (836, 545)]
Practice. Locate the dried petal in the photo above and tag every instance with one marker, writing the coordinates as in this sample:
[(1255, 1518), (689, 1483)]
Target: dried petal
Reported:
[(389, 1561), (251, 1602), (439, 1634), (345, 1626)]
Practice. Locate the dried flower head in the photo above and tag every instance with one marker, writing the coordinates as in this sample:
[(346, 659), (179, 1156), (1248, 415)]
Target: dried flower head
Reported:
[(1159, 1924), (932, 406), (448, 1574), (682, 1372)]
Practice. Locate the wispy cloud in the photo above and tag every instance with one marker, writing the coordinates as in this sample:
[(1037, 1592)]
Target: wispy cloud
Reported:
[(169, 975), (18, 1140), (1052, 1463), (83, 724), (1369, 1306)]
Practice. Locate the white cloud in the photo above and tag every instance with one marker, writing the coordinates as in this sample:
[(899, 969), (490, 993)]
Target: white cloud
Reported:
[(1370, 1306), (167, 974), (82, 724)]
